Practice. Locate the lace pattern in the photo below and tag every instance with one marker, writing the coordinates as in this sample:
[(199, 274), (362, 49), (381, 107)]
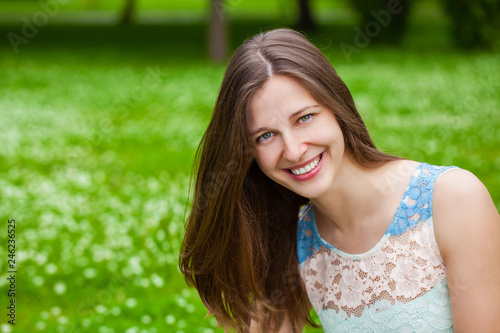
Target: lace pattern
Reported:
[(406, 267), (429, 313)]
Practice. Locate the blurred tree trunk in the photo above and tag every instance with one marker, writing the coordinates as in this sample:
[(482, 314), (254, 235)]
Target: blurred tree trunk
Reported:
[(128, 12), (306, 21), (217, 32)]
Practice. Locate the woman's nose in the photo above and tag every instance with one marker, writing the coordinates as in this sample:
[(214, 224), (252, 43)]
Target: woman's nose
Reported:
[(293, 148)]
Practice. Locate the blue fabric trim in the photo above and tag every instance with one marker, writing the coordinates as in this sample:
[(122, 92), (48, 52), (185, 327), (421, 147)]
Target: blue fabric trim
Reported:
[(306, 244), (417, 199)]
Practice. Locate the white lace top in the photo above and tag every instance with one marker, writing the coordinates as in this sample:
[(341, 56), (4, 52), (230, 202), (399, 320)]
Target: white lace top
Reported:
[(399, 285)]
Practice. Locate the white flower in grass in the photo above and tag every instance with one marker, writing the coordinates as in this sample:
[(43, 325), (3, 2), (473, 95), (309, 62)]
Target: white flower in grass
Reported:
[(45, 315), (50, 268), (134, 264), (181, 323), (186, 292), (40, 325), (132, 329), (60, 288), (86, 322), (160, 235), (157, 280), (112, 266), (142, 282), (181, 301), (81, 260), (115, 311), (100, 308), (6, 328), (172, 229), (55, 310), (105, 329), (169, 319), (131, 303), (146, 319), (90, 273), (213, 322)]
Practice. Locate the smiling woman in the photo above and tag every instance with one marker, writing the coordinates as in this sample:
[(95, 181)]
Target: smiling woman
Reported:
[(295, 207)]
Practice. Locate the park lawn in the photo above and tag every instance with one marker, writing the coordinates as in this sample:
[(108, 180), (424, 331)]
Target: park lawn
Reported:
[(99, 130)]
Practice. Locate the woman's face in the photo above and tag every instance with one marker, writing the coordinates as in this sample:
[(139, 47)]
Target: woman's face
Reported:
[(298, 143)]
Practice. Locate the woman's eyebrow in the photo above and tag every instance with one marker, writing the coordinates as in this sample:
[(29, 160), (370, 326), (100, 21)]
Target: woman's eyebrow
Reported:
[(296, 113), (258, 130)]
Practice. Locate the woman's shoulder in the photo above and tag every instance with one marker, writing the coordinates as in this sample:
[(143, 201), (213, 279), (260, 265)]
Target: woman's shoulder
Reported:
[(458, 187), (462, 207), (457, 193)]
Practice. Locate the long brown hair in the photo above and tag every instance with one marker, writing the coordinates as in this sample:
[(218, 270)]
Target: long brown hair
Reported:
[(239, 249)]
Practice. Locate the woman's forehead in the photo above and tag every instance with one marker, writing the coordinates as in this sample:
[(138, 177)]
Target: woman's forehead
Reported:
[(280, 92)]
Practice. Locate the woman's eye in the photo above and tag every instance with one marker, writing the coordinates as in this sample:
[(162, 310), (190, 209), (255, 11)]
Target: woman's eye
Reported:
[(305, 118), (264, 137)]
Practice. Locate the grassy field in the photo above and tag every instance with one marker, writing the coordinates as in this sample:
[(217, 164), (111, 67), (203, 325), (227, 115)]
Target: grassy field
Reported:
[(99, 125)]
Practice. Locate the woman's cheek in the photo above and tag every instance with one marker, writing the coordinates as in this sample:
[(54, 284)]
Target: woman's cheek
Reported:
[(263, 159), (328, 134), (268, 157)]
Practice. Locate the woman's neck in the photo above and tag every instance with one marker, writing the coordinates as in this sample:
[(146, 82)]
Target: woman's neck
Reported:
[(359, 196)]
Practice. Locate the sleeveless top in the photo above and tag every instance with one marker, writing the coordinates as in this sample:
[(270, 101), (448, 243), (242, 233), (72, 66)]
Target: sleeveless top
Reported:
[(399, 285)]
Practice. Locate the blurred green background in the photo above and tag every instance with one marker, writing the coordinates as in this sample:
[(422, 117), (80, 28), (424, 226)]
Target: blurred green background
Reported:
[(99, 123)]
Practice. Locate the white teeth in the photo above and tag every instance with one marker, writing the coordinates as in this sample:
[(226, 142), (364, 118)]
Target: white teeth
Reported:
[(307, 168)]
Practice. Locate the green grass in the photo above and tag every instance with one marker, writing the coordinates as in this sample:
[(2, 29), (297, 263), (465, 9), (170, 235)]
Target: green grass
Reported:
[(96, 155), (191, 5)]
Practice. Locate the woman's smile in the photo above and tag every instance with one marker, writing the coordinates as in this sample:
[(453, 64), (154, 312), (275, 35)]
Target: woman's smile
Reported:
[(307, 170)]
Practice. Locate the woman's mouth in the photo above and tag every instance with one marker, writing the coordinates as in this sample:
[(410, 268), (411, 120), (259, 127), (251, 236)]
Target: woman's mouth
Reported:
[(308, 168), (303, 172)]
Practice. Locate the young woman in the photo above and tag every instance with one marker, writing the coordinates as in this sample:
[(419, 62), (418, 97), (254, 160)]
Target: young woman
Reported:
[(294, 206)]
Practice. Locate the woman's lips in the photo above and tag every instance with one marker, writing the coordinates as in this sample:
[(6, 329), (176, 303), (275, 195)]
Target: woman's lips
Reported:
[(306, 170), (300, 170)]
